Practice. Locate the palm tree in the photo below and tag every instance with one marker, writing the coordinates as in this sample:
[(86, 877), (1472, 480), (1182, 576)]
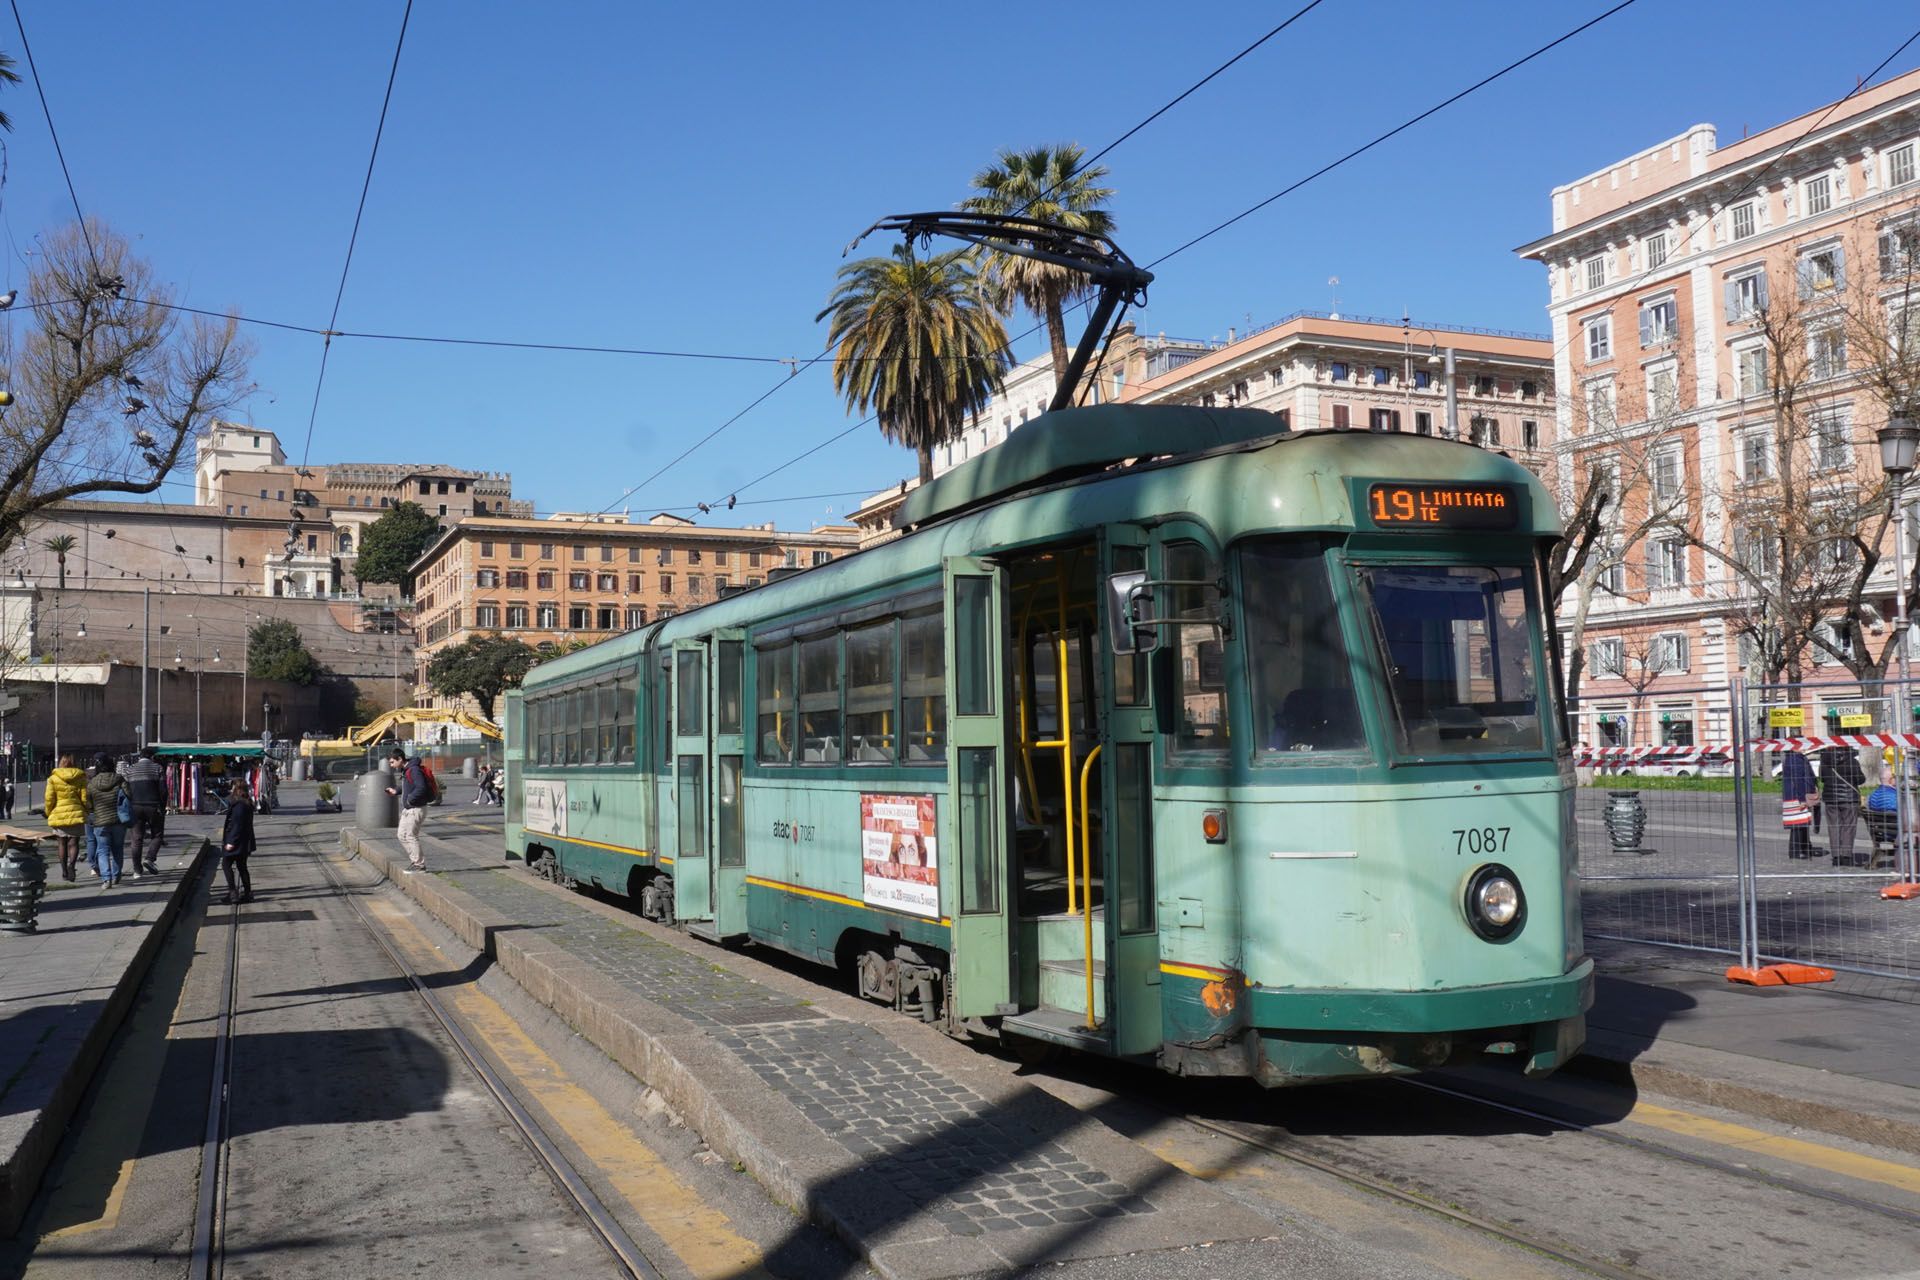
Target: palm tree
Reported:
[(1046, 183), (916, 341), (60, 544), (7, 76)]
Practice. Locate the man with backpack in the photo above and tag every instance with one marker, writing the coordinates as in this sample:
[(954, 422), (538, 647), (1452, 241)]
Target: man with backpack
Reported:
[(417, 790)]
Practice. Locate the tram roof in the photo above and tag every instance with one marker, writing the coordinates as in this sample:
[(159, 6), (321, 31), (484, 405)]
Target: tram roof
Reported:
[(1070, 442)]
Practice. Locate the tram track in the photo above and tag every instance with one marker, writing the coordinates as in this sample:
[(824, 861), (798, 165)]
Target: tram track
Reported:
[(1435, 1201), (206, 1258)]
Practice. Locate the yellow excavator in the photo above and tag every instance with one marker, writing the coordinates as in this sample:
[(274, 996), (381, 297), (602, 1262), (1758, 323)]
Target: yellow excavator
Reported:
[(358, 738)]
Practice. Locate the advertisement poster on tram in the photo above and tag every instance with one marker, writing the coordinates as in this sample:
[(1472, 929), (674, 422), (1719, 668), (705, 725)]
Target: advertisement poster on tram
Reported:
[(546, 806), (899, 854)]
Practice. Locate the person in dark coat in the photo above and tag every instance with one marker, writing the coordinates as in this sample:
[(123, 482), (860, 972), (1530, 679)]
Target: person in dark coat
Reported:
[(1796, 783), (1840, 781), (237, 843), (147, 790)]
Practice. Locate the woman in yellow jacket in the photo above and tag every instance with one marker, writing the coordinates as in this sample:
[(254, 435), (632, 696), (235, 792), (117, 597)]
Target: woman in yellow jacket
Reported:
[(66, 805)]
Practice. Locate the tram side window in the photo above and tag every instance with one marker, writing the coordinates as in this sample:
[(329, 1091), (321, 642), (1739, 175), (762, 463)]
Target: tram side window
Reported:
[(1200, 683), (623, 705), (609, 715), (773, 695), (820, 700), (571, 701), (541, 748), (1302, 681), (870, 696), (923, 689), (662, 721), (586, 712)]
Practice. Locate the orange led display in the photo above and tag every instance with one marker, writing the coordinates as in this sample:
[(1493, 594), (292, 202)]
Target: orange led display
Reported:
[(1444, 506)]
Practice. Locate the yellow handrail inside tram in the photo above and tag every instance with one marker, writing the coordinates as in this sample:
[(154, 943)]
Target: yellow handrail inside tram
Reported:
[(1086, 859)]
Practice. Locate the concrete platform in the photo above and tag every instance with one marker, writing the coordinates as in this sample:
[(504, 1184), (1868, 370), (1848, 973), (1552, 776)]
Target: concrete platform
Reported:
[(64, 991), (1832, 1059), (914, 1149)]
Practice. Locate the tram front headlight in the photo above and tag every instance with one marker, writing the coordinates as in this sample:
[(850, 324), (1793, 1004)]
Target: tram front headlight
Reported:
[(1495, 904)]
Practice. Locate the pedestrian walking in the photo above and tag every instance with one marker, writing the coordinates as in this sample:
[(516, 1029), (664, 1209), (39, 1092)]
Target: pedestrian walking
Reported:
[(1798, 795), (109, 808), (6, 797), (237, 843), (147, 789), (66, 808), (1840, 779), (415, 790)]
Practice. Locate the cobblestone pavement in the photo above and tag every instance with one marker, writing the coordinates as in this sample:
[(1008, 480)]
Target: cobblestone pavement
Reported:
[(933, 1146)]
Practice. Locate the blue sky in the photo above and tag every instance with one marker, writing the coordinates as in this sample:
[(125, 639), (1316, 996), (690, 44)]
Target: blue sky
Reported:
[(685, 177)]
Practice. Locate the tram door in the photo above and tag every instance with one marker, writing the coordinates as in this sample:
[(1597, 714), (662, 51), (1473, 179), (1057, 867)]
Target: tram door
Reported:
[(727, 745), (974, 828), (1126, 768), (688, 836)]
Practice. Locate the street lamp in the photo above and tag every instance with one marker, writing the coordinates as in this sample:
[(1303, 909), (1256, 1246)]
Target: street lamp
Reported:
[(1899, 443), (1407, 330)]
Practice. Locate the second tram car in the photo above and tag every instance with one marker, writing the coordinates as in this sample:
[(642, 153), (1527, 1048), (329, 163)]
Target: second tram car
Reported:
[(1161, 733)]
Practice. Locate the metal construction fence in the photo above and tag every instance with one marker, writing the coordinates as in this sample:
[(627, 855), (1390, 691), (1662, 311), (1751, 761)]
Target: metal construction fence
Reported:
[(1684, 832)]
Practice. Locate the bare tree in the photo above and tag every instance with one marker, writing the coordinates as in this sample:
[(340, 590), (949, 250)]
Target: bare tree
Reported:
[(1809, 508), (108, 383), (1639, 661), (1628, 489)]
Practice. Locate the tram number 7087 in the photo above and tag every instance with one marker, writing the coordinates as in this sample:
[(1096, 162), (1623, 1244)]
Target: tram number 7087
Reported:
[(1478, 840)]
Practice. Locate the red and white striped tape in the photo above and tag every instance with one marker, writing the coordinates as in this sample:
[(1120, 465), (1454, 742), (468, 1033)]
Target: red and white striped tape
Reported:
[(1909, 740), (1700, 754)]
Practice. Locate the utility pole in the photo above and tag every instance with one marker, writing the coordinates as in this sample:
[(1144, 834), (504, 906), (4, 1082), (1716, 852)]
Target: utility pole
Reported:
[(146, 631)]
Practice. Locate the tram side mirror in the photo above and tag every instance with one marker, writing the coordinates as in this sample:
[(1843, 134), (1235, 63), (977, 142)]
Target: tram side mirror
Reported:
[(1130, 619)]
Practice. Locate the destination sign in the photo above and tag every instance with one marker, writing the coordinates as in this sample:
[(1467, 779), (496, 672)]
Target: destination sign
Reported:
[(1444, 506)]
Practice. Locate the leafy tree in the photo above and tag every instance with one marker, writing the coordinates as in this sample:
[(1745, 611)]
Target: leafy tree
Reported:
[(916, 342), (484, 666), (60, 544), (1046, 184), (276, 651), (107, 381), (393, 542), (366, 710)]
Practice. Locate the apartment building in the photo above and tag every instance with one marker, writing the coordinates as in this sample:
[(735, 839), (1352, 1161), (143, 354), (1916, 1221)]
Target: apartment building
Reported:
[(1318, 371), (1691, 286), (582, 577)]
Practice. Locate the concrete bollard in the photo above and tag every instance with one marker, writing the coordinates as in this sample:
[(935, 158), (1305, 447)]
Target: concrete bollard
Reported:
[(373, 808), (470, 767)]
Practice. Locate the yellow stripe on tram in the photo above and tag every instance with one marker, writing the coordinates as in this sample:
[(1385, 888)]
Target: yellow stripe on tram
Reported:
[(824, 896), (1194, 971)]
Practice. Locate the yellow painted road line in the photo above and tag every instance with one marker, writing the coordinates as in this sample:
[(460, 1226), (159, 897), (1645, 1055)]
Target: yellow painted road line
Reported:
[(122, 1108), (700, 1236), (1813, 1154)]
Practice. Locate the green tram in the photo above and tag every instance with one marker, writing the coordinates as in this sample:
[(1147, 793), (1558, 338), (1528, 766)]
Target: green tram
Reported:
[(1160, 733)]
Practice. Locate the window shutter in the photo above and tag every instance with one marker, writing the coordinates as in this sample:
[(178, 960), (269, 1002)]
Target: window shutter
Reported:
[(1760, 290), (1396, 419), (1646, 326), (1732, 291), (1839, 266), (1886, 255)]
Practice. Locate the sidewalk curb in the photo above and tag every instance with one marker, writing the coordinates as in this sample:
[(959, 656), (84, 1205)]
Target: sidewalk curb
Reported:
[(730, 1108), (1866, 1111), (24, 1166)]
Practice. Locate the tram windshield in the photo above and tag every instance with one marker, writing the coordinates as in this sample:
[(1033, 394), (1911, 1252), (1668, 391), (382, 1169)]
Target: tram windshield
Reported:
[(1457, 645), (1301, 679)]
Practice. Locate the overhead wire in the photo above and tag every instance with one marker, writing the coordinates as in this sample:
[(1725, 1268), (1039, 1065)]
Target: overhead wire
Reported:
[(326, 343), (1321, 172), (26, 47), (828, 351)]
